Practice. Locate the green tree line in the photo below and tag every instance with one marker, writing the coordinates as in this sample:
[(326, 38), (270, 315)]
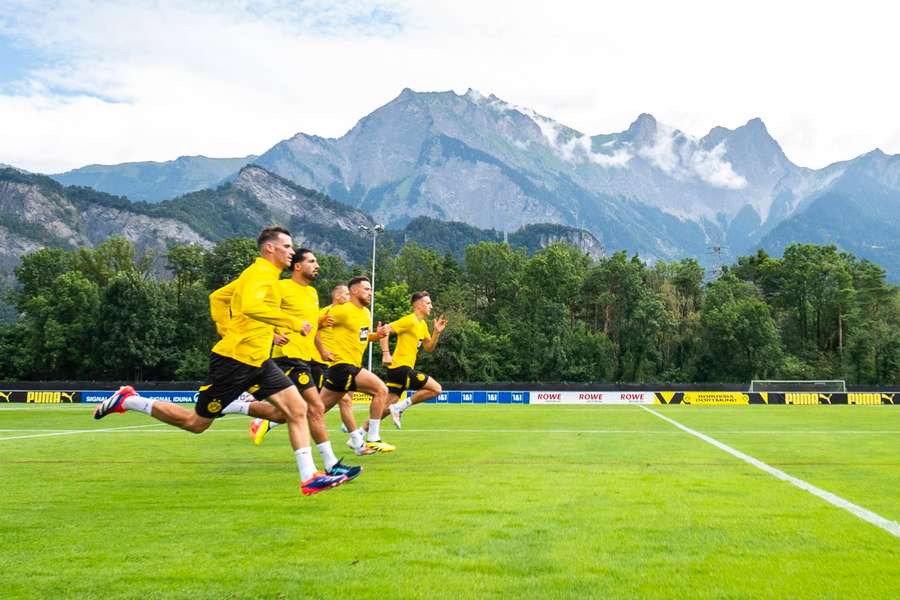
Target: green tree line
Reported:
[(554, 316)]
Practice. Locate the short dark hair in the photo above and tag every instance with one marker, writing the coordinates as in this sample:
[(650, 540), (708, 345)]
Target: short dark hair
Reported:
[(270, 234), (298, 256), (418, 296), (357, 280)]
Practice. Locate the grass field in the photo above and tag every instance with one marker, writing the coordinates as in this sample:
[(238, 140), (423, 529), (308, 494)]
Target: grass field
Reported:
[(478, 501)]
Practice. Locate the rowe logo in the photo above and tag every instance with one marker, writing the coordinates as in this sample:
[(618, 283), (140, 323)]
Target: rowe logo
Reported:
[(591, 396), (549, 397), (632, 397)]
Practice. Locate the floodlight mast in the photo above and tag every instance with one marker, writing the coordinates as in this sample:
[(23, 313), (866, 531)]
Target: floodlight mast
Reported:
[(374, 230)]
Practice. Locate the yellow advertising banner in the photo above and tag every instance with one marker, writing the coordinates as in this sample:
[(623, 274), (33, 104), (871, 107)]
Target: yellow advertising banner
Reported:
[(361, 398), (716, 398), (703, 398), (868, 398)]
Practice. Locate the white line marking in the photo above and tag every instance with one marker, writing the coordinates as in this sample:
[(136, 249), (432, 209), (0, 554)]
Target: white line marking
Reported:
[(4, 408), (77, 431), (244, 430), (866, 515), (516, 431)]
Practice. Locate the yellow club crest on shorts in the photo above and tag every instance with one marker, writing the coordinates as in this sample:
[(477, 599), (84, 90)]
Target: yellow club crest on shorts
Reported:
[(303, 379), (214, 406), (420, 377)]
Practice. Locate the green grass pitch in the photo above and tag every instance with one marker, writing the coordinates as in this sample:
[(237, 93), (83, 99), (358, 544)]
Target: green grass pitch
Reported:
[(478, 501)]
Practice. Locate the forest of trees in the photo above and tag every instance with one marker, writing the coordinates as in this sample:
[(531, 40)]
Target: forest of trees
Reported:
[(106, 314)]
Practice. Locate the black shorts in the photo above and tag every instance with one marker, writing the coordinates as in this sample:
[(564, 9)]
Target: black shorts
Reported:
[(404, 378), (298, 371), (229, 378), (318, 372), (341, 377)]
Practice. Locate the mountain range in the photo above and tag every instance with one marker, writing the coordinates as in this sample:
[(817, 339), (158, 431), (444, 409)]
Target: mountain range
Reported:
[(651, 189), (37, 211)]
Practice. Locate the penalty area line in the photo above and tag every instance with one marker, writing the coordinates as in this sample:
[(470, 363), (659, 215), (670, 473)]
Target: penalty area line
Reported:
[(863, 513)]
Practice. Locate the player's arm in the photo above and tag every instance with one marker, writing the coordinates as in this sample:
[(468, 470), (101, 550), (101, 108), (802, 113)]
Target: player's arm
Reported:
[(431, 341), (381, 332), (396, 327), (325, 319), (255, 307), (323, 351), (220, 306), (386, 358)]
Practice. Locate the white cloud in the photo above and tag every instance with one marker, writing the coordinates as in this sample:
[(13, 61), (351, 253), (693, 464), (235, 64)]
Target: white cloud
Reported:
[(711, 168), (135, 80), (662, 152), (577, 148), (681, 156)]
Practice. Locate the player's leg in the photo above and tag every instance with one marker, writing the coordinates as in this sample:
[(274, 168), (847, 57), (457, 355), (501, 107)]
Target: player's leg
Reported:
[(291, 404), (428, 390), (346, 408), (331, 397), (318, 428), (268, 416), (393, 397), (369, 383), (246, 404), (397, 381), (127, 398), (319, 431), (393, 400), (265, 415), (180, 417)]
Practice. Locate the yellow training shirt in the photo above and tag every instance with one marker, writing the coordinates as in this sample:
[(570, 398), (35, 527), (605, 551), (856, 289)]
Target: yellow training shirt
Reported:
[(301, 302), (326, 334), (410, 333), (246, 312), (350, 333)]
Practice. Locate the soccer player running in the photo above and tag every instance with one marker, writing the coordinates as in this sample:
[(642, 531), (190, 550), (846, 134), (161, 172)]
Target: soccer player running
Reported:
[(319, 364), (339, 295), (350, 337), (412, 333), (240, 361), (294, 353)]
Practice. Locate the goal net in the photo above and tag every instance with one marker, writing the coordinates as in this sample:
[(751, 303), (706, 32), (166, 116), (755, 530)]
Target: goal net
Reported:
[(798, 385)]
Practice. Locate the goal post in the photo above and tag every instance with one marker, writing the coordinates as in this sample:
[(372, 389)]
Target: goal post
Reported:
[(827, 386)]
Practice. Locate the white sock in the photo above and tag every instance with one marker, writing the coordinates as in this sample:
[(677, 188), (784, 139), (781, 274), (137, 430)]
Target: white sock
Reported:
[(274, 424), (404, 404), (145, 405), (327, 454), (246, 397), (374, 430), (356, 437), (237, 406), (305, 463)]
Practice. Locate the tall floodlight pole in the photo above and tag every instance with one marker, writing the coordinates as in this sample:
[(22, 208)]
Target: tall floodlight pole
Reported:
[(374, 231)]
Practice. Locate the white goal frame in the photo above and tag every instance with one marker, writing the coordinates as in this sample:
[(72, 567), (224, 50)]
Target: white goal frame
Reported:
[(799, 385)]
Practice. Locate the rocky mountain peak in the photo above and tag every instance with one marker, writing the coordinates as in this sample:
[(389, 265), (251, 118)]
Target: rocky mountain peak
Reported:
[(642, 131), (751, 149)]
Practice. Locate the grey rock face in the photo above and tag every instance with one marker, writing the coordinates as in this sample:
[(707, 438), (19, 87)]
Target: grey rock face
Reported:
[(490, 163), (286, 202), (43, 214)]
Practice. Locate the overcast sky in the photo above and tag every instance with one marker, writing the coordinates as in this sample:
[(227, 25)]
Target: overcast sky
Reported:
[(86, 82)]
